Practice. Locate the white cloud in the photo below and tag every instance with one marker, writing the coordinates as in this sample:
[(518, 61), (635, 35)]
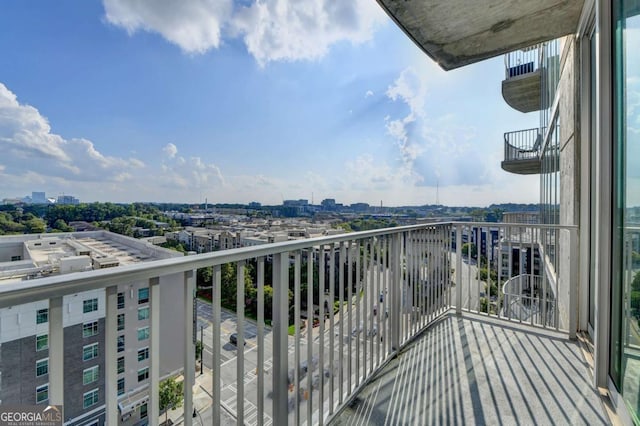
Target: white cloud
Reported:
[(272, 30), (24, 132), (192, 173), (368, 93), (170, 150), (194, 25), (275, 30), (29, 146)]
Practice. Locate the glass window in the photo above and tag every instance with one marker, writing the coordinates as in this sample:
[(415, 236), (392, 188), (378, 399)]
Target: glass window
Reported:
[(120, 300), (89, 352), (89, 329), (143, 374), (143, 333), (42, 342), (625, 280), (90, 375), (42, 367), (90, 398), (143, 295), (121, 386), (90, 305), (143, 313), (42, 393), (42, 316), (121, 365), (143, 411), (120, 322), (120, 343), (143, 354)]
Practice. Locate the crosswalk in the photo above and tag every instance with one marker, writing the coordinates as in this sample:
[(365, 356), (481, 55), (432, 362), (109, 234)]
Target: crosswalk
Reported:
[(229, 401)]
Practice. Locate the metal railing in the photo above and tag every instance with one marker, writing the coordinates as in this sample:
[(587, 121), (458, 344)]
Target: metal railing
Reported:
[(521, 62), (522, 144), (329, 312), (521, 217)]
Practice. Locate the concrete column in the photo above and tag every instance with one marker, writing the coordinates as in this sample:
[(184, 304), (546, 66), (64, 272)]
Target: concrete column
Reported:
[(154, 351), (111, 356), (56, 352), (189, 346)]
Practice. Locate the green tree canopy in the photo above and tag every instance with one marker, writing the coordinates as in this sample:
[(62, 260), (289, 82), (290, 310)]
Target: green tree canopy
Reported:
[(170, 393)]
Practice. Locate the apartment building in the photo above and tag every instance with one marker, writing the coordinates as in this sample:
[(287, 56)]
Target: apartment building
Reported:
[(24, 328)]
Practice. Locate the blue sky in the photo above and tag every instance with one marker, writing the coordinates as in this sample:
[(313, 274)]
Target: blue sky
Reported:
[(156, 100)]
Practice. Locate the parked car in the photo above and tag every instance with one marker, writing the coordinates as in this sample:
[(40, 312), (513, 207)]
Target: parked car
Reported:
[(233, 339)]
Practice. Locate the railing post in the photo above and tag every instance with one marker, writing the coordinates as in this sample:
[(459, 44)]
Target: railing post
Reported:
[(396, 291), (240, 341), (56, 352), (216, 343), (458, 269), (111, 356), (573, 282), (189, 372), (280, 326)]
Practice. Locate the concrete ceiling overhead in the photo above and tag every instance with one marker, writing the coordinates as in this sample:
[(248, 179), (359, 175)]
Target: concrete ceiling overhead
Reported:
[(460, 32)]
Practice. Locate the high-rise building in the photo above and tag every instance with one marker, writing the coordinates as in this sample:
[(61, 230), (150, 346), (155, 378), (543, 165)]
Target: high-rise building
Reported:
[(38, 198), (67, 199)]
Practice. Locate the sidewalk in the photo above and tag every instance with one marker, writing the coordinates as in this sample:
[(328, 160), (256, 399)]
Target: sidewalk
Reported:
[(201, 402)]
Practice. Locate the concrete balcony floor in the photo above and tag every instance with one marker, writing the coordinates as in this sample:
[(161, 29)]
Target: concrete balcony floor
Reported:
[(476, 370)]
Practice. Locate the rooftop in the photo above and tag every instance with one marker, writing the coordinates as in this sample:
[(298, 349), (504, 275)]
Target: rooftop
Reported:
[(33, 256)]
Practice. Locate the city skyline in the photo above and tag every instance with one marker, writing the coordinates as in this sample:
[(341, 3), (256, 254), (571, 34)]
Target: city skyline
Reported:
[(243, 102)]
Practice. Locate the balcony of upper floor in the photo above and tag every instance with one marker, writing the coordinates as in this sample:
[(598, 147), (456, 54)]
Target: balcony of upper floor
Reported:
[(521, 86), (522, 151), (456, 33), (439, 320)]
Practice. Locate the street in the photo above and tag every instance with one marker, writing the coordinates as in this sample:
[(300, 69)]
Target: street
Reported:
[(358, 342)]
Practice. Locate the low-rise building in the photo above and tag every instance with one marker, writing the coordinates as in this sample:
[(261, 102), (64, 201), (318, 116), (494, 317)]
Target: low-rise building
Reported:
[(24, 329)]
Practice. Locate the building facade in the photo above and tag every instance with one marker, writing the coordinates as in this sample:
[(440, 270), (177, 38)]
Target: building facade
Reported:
[(24, 338)]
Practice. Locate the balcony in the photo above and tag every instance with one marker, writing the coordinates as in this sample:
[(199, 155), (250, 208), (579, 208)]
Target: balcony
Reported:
[(457, 301), (522, 152), (457, 33), (522, 83)]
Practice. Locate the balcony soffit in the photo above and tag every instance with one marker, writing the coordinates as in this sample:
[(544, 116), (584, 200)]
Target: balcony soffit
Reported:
[(455, 33)]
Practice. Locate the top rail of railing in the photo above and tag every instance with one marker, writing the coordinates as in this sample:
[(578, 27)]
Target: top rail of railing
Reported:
[(521, 62), (19, 292)]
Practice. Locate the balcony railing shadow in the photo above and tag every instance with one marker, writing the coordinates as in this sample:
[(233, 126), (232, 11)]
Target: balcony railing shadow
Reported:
[(475, 370)]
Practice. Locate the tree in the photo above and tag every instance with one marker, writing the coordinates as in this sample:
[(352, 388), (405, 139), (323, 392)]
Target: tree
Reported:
[(470, 247), (170, 392), (198, 349), (61, 225), (635, 284), (35, 226), (204, 277)]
